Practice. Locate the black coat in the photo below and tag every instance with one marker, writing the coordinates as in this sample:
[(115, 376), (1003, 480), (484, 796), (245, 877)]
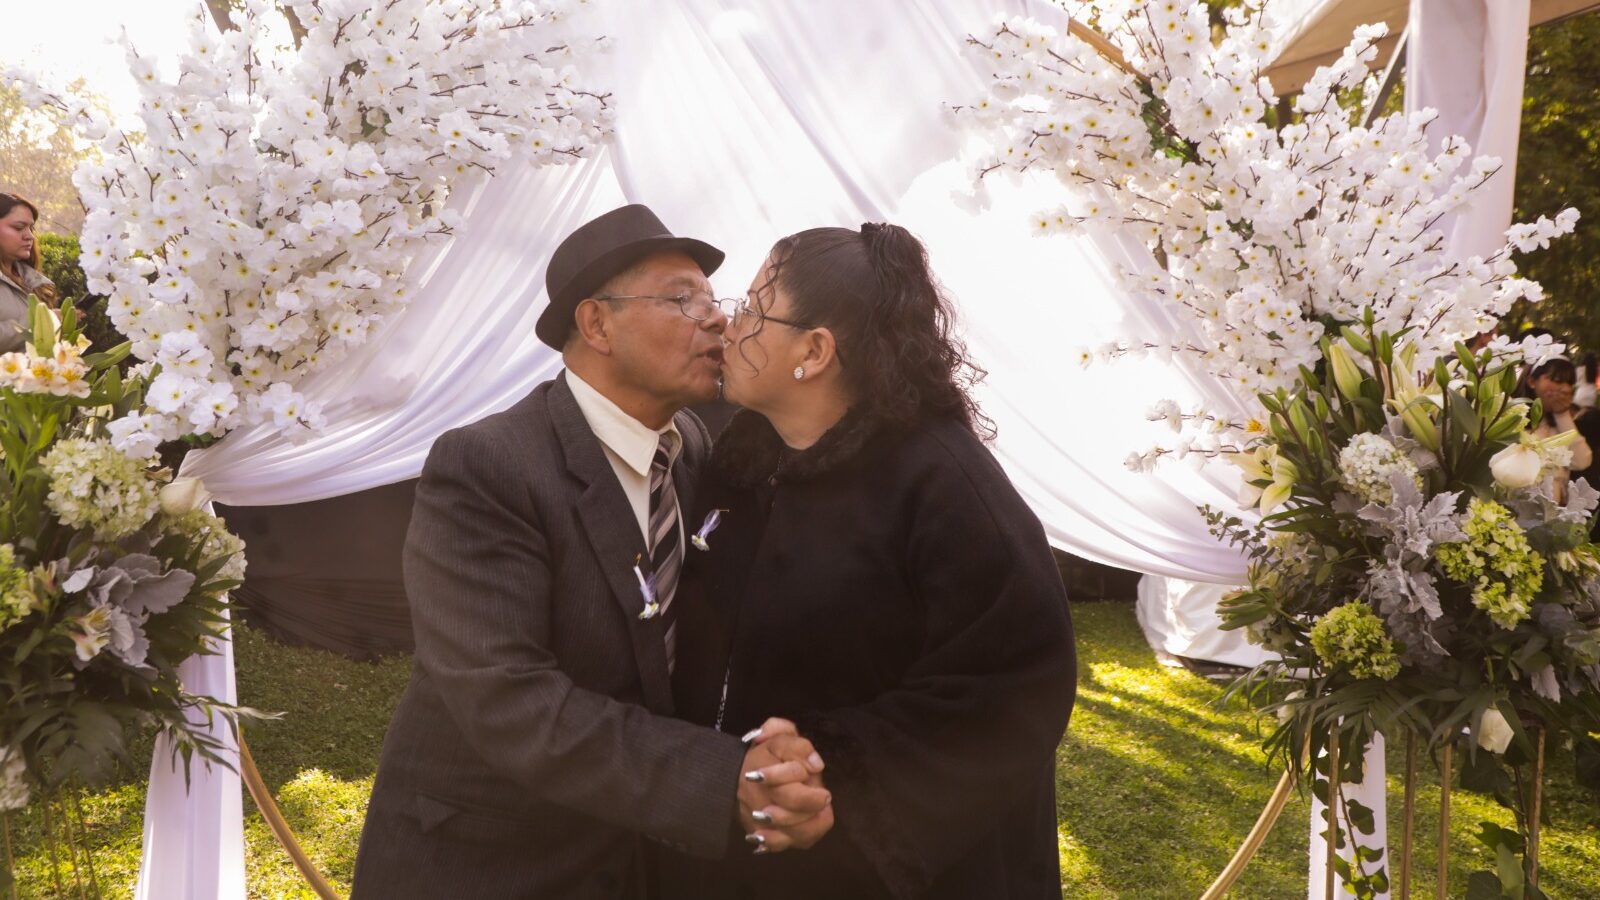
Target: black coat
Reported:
[(893, 595), (537, 740)]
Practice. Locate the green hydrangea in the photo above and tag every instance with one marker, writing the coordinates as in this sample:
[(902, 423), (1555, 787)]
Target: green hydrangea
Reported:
[(214, 538), (1495, 559), (17, 598), (94, 486), (1353, 638)]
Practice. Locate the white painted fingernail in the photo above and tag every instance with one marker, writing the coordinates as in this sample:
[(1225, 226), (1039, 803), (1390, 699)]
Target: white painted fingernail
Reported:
[(751, 735)]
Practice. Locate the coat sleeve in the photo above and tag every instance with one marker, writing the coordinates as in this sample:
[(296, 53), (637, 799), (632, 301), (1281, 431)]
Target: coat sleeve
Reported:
[(477, 573), (968, 738)]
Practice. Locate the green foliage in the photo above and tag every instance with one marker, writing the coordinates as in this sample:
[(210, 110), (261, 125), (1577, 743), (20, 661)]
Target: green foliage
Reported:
[(1556, 169), (58, 258)]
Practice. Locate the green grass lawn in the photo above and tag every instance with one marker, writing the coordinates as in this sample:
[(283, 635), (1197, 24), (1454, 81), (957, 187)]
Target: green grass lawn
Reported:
[(1156, 786)]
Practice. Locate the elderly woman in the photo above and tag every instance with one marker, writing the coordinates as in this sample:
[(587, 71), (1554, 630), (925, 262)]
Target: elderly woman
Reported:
[(19, 270), (877, 580)]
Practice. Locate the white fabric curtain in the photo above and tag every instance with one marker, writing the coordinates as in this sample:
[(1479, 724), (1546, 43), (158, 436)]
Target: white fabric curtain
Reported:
[(740, 122), (1467, 59)]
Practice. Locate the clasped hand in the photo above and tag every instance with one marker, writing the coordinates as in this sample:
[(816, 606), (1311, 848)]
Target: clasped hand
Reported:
[(782, 802)]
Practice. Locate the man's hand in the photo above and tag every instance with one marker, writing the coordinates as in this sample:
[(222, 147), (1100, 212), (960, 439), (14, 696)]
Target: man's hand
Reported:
[(782, 802)]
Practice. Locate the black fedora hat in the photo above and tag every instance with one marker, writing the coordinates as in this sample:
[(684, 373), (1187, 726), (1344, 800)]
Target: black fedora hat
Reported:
[(600, 249)]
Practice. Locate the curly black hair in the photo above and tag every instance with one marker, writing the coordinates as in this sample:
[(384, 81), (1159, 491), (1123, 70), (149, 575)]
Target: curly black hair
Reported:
[(891, 320)]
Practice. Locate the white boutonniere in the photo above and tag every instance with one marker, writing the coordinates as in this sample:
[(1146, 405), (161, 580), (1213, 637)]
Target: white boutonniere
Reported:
[(713, 519), (647, 590)]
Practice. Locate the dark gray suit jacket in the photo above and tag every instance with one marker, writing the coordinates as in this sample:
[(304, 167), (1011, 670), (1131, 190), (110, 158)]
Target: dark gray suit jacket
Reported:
[(534, 745)]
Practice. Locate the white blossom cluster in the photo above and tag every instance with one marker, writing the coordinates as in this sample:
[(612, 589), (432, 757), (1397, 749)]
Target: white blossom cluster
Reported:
[(1366, 465), (261, 221), (1263, 234), (93, 485)]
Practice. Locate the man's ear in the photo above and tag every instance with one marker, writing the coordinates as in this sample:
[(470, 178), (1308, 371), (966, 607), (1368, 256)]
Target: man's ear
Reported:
[(592, 324)]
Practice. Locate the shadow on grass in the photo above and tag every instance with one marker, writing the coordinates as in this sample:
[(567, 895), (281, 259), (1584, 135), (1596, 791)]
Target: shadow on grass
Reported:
[(1156, 788)]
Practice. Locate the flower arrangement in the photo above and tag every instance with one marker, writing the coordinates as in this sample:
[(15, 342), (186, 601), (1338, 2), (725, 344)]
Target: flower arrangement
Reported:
[(261, 220), (1268, 230), (111, 575), (1413, 559), (1462, 595)]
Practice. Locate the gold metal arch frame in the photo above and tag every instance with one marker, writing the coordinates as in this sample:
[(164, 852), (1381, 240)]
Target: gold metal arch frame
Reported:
[(280, 827)]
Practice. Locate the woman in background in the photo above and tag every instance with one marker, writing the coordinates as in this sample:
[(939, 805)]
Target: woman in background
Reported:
[(1553, 382), (19, 270)]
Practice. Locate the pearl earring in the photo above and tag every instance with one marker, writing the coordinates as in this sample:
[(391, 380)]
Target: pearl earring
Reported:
[(799, 372)]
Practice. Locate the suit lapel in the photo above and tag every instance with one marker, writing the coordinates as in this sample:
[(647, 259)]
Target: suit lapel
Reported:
[(608, 522)]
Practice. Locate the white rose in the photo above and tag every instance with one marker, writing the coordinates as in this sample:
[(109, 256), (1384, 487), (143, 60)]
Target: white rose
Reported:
[(1494, 732), (1517, 466), (183, 495)]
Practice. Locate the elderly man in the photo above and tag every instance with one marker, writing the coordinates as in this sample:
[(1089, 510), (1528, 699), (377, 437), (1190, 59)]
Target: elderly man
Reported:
[(534, 750)]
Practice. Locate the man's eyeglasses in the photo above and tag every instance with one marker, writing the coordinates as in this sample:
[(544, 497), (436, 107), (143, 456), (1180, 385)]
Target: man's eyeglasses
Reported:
[(697, 305)]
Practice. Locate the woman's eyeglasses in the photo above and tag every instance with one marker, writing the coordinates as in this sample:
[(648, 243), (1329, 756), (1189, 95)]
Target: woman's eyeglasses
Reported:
[(743, 307)]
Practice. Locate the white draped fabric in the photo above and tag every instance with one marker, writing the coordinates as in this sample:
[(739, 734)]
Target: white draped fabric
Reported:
[(1466, 59), (1372, 792), (741, 121), (1179, 617)]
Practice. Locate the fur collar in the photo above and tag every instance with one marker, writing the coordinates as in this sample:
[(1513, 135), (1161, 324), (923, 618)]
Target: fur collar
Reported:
[(749, 452)]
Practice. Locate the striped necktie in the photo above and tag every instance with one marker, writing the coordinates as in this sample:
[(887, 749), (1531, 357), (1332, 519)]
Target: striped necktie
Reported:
[(666, 547)]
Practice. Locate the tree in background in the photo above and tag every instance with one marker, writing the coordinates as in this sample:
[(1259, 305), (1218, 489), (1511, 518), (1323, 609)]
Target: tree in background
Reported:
[(36, 160), (1556, 168)]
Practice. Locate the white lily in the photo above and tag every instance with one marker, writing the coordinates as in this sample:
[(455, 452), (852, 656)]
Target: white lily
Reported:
[(1264, 464)]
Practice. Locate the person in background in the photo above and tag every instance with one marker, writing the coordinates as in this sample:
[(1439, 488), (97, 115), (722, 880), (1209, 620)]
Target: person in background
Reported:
[(1584, 394), (19, 270), (1552, 382), (1587, 421)]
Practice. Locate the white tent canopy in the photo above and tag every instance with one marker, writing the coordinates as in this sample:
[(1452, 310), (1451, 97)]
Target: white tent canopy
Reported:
[(1313, 32)]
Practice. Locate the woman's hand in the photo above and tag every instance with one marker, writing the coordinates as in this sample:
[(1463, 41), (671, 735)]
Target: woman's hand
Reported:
[(782, 802)]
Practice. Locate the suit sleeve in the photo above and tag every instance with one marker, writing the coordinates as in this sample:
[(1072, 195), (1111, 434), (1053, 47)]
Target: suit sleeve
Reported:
[(968, 737), (477, 571)]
